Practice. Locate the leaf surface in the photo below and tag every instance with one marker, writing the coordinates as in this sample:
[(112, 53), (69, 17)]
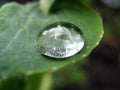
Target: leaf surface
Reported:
[(20, 25)]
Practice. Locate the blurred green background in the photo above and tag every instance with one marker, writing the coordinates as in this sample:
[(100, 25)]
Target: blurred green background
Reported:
[(99, 71)]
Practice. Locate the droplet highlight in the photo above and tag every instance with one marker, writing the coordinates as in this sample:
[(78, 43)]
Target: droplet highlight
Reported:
[(60, 40)]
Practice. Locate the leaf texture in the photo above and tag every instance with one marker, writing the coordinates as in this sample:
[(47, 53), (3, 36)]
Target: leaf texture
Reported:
[(20, 25)]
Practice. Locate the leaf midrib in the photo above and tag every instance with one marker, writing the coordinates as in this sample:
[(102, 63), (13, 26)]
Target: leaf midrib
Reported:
[(28, 21)]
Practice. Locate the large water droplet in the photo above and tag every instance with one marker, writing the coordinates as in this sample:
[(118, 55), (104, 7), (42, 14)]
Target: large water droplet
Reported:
[(60, 40)]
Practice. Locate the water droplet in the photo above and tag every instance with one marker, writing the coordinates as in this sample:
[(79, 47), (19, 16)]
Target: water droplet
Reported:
[(60, 40)]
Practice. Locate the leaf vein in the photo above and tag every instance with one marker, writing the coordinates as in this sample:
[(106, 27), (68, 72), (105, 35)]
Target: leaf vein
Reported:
[(17, 34)]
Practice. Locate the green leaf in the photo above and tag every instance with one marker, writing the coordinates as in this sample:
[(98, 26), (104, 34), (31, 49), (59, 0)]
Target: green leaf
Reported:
[(20, 25)]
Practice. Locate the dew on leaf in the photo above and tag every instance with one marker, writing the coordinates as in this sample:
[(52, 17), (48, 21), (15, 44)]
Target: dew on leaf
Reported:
[(60, 40)]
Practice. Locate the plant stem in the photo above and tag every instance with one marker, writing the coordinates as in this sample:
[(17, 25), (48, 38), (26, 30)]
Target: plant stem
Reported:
[(39, 81), (46, 82), (45, 5)]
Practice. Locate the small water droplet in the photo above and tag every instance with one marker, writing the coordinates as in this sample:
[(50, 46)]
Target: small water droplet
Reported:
[(60, 40)]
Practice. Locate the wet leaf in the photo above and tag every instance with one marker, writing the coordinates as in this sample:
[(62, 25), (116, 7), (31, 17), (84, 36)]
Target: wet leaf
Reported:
[(20, 25)]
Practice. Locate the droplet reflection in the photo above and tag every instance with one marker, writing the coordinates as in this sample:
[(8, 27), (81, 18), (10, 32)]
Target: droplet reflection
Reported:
[(60, 40)]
